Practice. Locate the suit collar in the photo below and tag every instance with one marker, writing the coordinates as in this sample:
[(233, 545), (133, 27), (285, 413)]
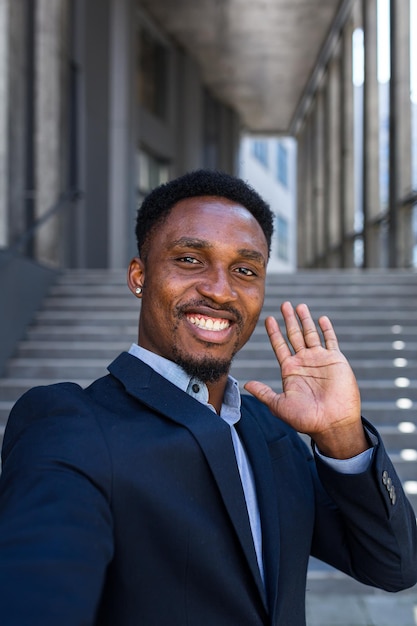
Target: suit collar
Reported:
[(210, 431)]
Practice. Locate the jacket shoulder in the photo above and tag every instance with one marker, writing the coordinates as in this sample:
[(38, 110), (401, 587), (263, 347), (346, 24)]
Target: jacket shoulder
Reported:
[(60, 414)]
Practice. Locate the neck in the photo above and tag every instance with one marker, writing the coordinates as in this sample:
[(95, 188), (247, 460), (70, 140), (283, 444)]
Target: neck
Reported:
[(216, 393)]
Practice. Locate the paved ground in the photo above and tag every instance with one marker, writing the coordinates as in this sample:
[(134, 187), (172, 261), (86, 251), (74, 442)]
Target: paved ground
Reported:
[(335, 600), (362, 610)]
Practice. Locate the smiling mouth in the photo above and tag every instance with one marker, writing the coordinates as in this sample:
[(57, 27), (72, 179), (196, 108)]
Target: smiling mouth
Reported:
[(208, 323)]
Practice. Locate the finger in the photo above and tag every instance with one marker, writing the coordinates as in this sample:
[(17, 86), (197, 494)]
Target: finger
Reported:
[(330, 338), (294, 332), (278, 342), (263, 393), (310, 333)]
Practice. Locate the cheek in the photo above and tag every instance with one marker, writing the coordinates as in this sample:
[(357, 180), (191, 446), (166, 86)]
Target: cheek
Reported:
[(253, 303)]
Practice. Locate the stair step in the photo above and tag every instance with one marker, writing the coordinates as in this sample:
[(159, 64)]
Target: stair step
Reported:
[(90, 316)]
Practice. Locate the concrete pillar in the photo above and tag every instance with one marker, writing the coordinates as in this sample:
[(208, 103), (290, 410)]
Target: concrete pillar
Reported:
[(347, 202), (95, 137), (400, 226), (121, 132), (51, 52), (333, 119), (371, 199), (189, 124), (310, 217), (4, 109), (301, 198), (318, 160), (313, 181), (229, 140), (17, 99)]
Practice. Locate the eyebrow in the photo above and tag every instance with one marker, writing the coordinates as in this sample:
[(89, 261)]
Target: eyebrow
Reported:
[(203, 244), (190, 242), (252, 255)]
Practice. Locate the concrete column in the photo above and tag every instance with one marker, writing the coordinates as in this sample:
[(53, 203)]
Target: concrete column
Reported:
[(301, 198), (121, 133), (310, 217), (4, 108), (189, 124), (17, 143), (51, 40), (95, 115), (313, 181), (371, 200), (347, 157), (326, 171), (333, 212), (229, 139), (318, 175), (400, 227)]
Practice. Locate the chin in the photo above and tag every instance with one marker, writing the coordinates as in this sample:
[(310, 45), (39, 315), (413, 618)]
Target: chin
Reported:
[(208, 369)]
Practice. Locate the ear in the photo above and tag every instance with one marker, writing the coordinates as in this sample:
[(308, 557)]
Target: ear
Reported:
[(135, 275)]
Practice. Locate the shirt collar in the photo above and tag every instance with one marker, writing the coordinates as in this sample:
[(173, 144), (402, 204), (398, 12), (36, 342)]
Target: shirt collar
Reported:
[(230, 410)]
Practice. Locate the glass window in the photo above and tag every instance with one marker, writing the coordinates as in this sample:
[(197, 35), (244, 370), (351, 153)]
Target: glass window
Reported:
[(152, 74), (152, 172), (260, 151), (282, 164), (282, 234)]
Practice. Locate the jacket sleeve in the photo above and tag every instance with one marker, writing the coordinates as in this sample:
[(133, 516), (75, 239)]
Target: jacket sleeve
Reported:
[(55, 520), (373, 536)]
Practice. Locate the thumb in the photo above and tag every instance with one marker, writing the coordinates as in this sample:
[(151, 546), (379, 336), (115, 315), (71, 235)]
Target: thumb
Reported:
[(263, 393)]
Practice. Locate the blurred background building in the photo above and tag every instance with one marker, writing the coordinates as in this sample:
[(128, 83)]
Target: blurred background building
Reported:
[(269, 165), (101, 100)]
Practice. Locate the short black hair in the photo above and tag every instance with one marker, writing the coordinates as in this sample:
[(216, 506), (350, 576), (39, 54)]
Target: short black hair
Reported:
[(158, 203)]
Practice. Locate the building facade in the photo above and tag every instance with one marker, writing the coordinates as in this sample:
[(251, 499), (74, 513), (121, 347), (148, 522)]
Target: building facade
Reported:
[(269, 165), (97, 105), (356, 194), (100, 101)]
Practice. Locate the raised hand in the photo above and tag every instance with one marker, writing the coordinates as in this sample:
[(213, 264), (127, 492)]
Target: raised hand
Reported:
[(320, 395)]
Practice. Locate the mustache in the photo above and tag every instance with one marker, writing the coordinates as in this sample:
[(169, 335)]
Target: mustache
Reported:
[(182, 309)]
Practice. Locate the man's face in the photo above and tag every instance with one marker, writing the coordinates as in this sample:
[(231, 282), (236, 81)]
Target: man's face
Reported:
[(203, 284)]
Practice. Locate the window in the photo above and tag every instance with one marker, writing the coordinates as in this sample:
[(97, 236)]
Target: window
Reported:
[(260, 151), (152, 172), (282, 164), (152, 74), (282, 238)]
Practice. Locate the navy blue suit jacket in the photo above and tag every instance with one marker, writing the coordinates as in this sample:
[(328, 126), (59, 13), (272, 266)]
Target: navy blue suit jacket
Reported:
[(121, 505)]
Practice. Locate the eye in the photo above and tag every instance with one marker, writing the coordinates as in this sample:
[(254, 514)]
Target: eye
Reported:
[(245, 271), (188, 259)]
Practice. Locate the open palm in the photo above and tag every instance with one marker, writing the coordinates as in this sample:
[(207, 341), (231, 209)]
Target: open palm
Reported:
[(319, 388)]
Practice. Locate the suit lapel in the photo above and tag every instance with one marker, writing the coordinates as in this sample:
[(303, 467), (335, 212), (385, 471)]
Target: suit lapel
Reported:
[(260, 459), (210, 431)]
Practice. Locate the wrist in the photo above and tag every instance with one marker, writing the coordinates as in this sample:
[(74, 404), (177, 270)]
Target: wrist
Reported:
[(342, 442)]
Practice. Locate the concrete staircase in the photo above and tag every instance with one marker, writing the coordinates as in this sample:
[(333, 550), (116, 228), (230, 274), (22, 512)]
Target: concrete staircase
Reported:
[(375, 317), (90, 316)]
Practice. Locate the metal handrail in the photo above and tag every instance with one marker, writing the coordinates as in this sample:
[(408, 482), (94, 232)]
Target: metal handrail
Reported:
[(69, 196)]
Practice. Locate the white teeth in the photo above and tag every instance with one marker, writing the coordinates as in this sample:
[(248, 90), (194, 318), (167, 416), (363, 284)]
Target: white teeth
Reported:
[(208, 323)]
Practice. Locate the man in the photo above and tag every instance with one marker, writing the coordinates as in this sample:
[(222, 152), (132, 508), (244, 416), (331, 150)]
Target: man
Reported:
[(158, 495)]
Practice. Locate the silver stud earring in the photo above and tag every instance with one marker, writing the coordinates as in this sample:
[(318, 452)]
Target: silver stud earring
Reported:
[(138, 291)]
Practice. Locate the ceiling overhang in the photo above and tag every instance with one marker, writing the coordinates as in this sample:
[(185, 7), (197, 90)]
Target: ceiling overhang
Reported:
[(258, 56)]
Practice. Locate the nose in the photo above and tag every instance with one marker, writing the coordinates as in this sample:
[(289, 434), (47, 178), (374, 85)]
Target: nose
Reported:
[(217, 285)]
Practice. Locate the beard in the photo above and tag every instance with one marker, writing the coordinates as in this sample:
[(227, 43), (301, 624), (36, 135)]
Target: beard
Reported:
[(208, 369)]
